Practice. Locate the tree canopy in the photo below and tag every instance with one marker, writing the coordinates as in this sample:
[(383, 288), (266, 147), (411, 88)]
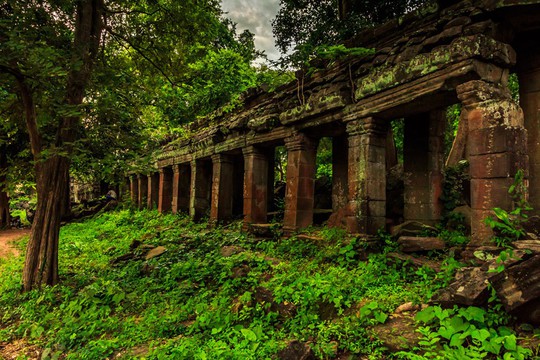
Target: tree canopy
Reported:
[(98, 81), (301, 26)]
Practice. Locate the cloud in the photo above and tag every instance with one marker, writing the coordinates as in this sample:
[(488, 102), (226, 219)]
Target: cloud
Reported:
[(256, 16)]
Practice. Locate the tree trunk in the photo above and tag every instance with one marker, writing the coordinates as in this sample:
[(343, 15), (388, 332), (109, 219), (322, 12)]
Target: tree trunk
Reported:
[(4, 199), (41, 263), (52, 174)]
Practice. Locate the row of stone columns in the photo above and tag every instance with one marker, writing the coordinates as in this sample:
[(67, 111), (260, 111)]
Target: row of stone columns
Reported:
[(496, 149), (208, 186)]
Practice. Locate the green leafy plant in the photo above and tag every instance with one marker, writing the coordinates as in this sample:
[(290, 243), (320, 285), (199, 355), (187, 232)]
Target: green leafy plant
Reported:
[(465, 333), (508, 226)]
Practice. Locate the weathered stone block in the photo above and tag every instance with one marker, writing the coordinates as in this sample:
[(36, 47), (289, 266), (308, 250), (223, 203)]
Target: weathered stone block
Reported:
[(519, 285), (414, 244), (489, 193), (501, 165), (497, 139)]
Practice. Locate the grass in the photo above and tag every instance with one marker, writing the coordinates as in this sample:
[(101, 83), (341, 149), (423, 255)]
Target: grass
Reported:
[(194, 303)]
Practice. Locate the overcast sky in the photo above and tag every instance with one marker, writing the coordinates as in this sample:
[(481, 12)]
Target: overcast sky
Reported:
[(255, 15)]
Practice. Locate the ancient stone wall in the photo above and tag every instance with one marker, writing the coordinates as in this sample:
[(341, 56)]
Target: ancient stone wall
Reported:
[(420, 64)]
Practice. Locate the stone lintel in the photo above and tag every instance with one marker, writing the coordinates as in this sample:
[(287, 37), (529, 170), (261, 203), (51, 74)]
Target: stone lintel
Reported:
[(430, 92), (463, 48)]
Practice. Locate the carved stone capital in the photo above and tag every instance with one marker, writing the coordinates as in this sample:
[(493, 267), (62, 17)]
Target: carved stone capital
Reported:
[(367, 126), (221, 158), (477, 92), (254, 151), (488, 105), (300, 141)]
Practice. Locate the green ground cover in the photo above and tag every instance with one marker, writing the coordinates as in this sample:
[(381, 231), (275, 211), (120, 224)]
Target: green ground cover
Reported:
[(219, 294)]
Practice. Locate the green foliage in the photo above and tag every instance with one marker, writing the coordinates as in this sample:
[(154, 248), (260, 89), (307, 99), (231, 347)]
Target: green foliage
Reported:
[(193, 303), (508, 226), (453, 195), (324, 158), (398, 130), (300, 27), (161, 64), (453, 113), (465, 333), (513, 85)]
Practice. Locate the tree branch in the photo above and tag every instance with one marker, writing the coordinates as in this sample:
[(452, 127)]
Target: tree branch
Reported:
[(29, 109), (140, 52)]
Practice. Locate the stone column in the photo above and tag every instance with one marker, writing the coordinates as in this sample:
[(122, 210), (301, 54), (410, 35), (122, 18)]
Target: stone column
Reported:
[(184, 184), (143, 190), (300, 189), (529, 99), (153, 190), (165, 190), (255, 186), (340, 166), (423, 154), (221, 206), (175, 187), (367, 175), (134, 189), (201, 187), (497, 149)]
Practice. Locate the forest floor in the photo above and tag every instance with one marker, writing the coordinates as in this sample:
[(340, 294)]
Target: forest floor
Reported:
[(7, 237), (138, 284)]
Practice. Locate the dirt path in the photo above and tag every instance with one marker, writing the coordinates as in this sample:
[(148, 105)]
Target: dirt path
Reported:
[(7, 237)]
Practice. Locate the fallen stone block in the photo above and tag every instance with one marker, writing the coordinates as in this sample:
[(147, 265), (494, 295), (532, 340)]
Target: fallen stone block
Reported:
[(518, 288), (411, 228), (155, 252), (469, 289), (409, 244), (532, 245)]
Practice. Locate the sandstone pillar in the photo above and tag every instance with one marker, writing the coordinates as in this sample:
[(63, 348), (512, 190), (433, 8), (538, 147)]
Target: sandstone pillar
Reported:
[(165, 190), (340, 169), (183, 183), (256, 166), (134, 189), (153, 190), (175, 187), (367, 175), (529, 98), (201, 187), (497, 149), (143, 190), (300, 188), (423, 155), (221, 208)]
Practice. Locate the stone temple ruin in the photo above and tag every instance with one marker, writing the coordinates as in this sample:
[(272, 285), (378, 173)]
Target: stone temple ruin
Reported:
[(422, 63)]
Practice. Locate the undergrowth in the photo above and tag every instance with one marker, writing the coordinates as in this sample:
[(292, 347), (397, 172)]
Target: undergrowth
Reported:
[(193, 302)]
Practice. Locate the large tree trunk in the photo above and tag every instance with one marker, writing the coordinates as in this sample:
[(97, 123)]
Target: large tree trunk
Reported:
[(52, 174), (41, 264), (4, 199)]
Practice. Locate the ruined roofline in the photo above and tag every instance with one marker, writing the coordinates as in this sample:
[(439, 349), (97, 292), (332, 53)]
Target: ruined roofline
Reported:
[(383, 39), (464, 34)]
